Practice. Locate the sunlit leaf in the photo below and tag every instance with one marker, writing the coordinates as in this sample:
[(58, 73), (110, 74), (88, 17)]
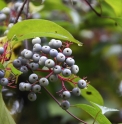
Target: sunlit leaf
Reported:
[(116, 5), (5, 117), (42, 28), (2, 4), (95, 113), (15, 71), (103, 108)]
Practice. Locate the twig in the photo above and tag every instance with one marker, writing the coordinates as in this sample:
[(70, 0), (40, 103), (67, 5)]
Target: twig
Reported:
[(98, 14), (20, 11), (65, 110)]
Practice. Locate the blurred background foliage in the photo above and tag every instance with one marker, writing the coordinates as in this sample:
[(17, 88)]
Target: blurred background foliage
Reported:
[(99, 59)]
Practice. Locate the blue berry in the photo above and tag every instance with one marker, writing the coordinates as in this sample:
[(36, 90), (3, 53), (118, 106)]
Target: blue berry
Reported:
[(74, 69), (33, 78), (2, 73), (66, 95), (43, 82), (67, 51), (66, 72), (36, 88), (53, 78), (37, 47), (1, 50), (49, 63), (57, 44), (24, 69), (21, 86), (65, 105), (57, 69), (36, 40), (4, 81), (82, 84), (76, 91), (2, 17), (32, 96), (26, 86), (60, 57), (17, 63), (23, 60), (33, 66), (46, 49), (70, 61), (28, 54), (36, 57), (53, 52), (42, 60), (6, 10)]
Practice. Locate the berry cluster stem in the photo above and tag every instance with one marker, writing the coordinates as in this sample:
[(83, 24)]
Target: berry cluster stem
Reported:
[(65, 110)]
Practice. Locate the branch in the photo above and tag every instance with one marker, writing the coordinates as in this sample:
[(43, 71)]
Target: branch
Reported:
[(64, 110), (98, 14), (20, 11)]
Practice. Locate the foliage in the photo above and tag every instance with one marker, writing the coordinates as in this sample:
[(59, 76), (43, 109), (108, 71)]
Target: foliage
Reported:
[(98, 58)]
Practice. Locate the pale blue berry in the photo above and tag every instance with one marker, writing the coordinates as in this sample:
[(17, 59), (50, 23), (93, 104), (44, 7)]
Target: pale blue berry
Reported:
[(66, 72), (53, 52), (74, 69), (43, 82), (32, 96), (60, 57), (67, 51), (33, 78), (65, 105), (49, 63), (36, 40), (70, 61), (42, 60), (82, 84), (76, 91), (57, 69)]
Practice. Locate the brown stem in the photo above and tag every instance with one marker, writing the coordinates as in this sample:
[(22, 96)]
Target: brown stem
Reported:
[(20, 11), (65, 110), (98, 14)]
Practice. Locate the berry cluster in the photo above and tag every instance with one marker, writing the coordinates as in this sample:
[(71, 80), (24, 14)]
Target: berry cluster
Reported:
[(10, 15), (56, 60)]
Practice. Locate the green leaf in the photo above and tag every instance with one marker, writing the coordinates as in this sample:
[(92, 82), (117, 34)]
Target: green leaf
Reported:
[(116, 5), (95, 113), (103, 108), (15, 71), (2, 4), (5, 117), (41, 28), (1, 66)]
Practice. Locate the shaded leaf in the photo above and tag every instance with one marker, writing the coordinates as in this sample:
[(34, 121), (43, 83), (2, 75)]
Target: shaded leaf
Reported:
[(41, 28), (5, 117), (95, 113)]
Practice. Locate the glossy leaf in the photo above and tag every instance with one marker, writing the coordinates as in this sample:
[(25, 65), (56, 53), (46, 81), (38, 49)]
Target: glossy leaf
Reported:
[(116, 5), (91, 94), (103, 108), (95, 113), (5, 117), (15, 71), (41, 28)]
